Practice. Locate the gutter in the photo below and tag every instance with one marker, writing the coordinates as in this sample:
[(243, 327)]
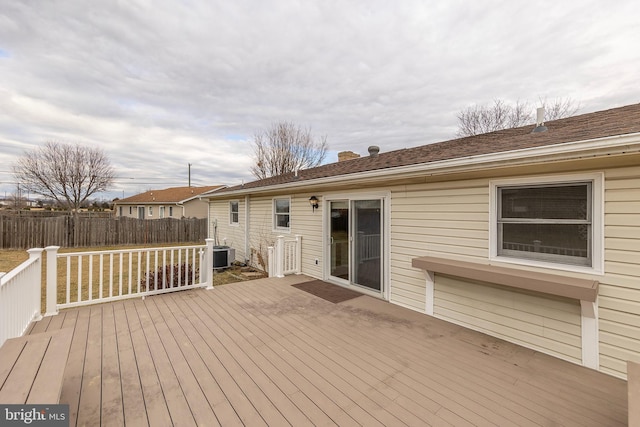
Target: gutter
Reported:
[(600, 147)]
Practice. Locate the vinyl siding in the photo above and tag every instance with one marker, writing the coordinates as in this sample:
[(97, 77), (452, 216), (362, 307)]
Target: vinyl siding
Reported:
[(440, 219), (228, 234), (619, 300), (308, 224), (548, 324), (451, 219), (303, 222)]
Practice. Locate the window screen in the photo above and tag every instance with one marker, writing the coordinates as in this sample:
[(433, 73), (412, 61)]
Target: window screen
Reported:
[(546, 222)]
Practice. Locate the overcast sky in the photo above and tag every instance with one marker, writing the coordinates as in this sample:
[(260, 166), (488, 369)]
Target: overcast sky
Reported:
[(161, 84)]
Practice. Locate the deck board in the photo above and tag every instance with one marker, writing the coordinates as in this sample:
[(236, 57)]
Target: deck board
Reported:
[(133, 411), (265, 353), (155, 405)]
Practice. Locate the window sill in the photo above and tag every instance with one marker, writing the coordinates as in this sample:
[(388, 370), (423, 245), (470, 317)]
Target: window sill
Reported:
[(552, 284)]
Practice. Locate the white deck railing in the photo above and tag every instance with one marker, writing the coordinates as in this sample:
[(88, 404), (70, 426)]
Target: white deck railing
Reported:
[(285, 257), (536, 246), (20, 293), (368, 246), (82, 278)]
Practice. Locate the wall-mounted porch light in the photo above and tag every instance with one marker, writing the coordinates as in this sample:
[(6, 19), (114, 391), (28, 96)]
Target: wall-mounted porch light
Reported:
[(313, 201)]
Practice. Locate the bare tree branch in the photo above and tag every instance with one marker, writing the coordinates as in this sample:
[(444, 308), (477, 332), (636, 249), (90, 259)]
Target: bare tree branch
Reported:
[(284, 148), (478, 119), (70, 174)]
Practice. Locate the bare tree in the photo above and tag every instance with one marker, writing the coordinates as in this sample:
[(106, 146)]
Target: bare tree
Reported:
[(559, 108), (285, 147), (68, 173), (479, 119)]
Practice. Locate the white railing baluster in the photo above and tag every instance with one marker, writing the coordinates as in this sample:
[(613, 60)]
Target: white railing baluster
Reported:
[(130, 268), (110, 275), (155, 269), (101, 281), (69, 280), (164, 269), (120, 275), (172, 267), (139, 271), (194, 259), (180, 265), (147, 271), (90, 277), (79, 278)]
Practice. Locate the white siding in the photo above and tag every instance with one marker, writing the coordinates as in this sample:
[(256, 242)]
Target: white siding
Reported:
[(440, 219), (303, 221), (228, 234), (619, 301), (308, 223), (544, 323)]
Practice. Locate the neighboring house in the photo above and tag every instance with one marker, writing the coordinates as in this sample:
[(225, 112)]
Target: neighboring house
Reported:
[(175, 202), (532, 237)]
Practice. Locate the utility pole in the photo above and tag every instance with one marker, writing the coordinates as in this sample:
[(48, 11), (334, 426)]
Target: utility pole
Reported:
[(189, 174)]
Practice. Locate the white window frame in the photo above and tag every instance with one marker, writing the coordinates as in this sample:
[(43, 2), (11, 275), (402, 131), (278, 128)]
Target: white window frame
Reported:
[(274, 215), (597, 220), (170, 211), (150, 211), (237, 213), (161, 212)]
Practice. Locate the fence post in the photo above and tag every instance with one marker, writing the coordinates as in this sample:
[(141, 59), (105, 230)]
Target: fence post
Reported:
[(36, 253), (52, 280), (208, 262), (298, 254)]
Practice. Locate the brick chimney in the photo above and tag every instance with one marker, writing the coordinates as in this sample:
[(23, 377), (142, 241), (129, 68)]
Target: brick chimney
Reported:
[(347, 155)]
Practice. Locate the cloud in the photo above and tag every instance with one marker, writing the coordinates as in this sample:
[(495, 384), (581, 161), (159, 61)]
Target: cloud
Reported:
[(162, 84)]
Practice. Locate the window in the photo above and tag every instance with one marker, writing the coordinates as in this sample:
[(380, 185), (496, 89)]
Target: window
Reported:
[(161, 212), (552, 222), (170, 210), (281, 213), (130, 210), (233, 213), (150, 210), (120, 209)]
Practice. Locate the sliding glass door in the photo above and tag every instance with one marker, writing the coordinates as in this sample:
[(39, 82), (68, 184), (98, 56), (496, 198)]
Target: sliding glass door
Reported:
[(339, 239), (367, 243), (355, 234)]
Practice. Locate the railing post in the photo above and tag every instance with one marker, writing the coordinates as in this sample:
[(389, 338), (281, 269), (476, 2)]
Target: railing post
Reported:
[(52, 280), (279, 256), (298, 254), (271, 261), (208, 264), (36, 253)]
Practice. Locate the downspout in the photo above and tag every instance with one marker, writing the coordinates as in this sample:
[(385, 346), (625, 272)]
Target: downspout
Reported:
[(246, 229)]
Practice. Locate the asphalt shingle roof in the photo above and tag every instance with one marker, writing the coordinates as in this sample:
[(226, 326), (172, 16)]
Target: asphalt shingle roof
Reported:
[(169, 195), (616, 121)]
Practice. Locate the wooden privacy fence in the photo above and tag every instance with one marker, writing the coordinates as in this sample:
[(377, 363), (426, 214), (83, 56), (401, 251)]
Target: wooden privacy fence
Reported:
[(68, 231)]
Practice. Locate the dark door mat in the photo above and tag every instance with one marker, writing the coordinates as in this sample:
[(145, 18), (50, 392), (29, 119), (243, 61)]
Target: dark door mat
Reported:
[(327, 291)]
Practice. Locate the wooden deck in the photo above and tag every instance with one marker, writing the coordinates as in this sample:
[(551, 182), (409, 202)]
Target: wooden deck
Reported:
[(267, 353)]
